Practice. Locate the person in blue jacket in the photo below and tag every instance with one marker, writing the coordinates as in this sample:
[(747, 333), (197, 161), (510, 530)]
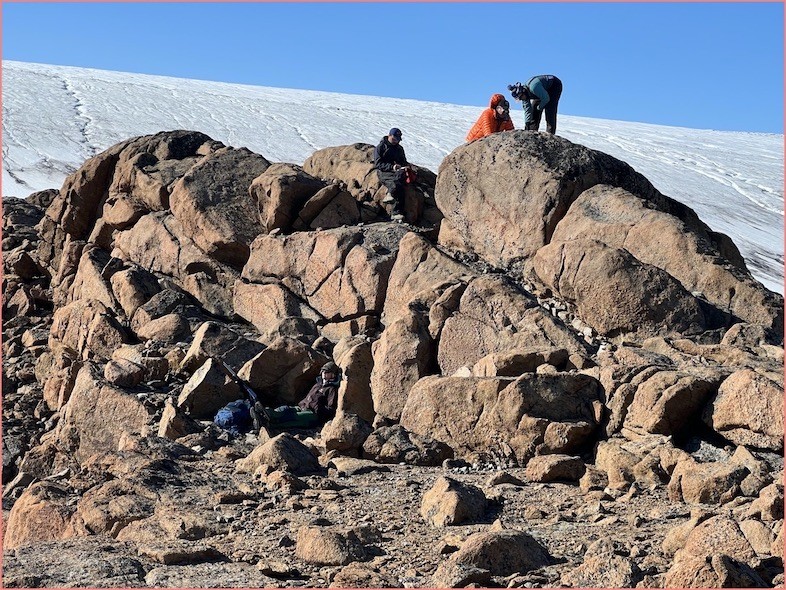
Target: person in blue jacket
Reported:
[(539, 94)]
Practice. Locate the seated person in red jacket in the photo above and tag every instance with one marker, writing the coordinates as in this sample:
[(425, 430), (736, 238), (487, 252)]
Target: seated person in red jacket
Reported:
[(493, 119)]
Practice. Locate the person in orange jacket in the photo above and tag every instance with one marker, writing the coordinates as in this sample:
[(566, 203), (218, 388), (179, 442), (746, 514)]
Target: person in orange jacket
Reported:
[(493, 119)]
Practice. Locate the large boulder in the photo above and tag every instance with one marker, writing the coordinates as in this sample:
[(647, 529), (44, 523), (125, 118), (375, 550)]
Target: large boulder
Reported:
[(402, 355), (341, 273), (43, 512), (88, 327), (450, 502), (280, 192), (716, 554), (667, 401), (700, 259), (122, 182), (285, 370), (502, 552), (545, 468), (355, 360), (159, 243), (494, 315), (207, 391), (281, 453), (353, 166), (395, 444), (498, 414), (270, 306), (615, 293), (706, 483), (748, 410), (323, 546), (345, 433), (133, 287), (508, 195), (505, 193), (91, 279), (213, 203), (419, 267), (606, 564), (98, 415), (214, 339)]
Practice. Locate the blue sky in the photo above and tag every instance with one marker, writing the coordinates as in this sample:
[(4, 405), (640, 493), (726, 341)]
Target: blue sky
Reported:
[(700, 65)]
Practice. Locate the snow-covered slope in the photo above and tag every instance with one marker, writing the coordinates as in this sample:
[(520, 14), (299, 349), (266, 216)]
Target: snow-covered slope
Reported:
[(55, 117)]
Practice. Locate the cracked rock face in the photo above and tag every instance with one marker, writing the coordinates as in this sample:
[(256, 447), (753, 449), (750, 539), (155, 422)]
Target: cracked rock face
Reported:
[(550, 385)]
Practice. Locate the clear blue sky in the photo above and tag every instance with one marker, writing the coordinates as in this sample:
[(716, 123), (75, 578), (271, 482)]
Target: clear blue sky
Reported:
[(701, 65)]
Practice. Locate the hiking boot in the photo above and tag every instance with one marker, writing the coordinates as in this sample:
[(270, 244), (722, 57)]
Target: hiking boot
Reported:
[(397, 217)]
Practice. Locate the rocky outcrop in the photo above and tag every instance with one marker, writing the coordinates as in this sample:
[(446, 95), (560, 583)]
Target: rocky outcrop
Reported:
[(567, 340), (213, 203), (494, 315), (534, 191), (505, 416), (701, 260), (521, 185)]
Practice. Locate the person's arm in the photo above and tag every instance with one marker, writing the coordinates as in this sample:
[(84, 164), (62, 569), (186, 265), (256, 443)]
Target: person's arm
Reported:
[(487, 123), (536, 87), (507, 125), (379, 153), (404, 159), (528, 115)]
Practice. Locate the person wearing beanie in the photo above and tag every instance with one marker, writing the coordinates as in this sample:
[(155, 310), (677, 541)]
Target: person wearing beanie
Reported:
[(316, 408), (493, 119), (322, 398), (394, 170), (539, 94)]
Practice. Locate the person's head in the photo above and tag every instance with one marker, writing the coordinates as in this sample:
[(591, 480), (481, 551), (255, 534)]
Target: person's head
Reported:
[(517, 91), (329, 371), (394, 135), (500, 105)]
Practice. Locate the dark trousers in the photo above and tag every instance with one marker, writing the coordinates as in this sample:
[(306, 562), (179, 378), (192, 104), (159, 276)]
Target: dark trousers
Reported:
[(551, 109), (396, 183)]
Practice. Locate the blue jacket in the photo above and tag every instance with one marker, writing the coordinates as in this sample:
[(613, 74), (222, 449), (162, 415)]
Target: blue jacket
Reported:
[(537, 88)]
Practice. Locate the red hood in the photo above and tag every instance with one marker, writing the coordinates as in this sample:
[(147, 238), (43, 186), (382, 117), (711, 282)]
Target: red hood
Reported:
[(495, 100)]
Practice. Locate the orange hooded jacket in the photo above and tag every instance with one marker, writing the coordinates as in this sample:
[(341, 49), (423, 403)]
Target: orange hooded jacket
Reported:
[(488, 123)]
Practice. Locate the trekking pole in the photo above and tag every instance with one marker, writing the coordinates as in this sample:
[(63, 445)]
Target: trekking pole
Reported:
[(245, 387), (259, 416)]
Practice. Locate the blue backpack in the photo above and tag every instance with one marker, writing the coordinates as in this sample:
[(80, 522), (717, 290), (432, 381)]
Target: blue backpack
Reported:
[(235, 417)]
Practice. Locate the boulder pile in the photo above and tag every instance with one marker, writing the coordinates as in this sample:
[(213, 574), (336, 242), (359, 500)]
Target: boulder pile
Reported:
[(547, 343)]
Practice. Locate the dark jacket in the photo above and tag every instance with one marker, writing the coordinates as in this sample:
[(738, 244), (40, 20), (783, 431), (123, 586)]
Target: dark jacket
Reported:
[(386, 154), (537, 88), (322, 399)]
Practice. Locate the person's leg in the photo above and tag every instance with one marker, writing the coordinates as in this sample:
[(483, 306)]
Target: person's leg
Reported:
[(534, 125), (551, 108), (395, 183), (399, 187)]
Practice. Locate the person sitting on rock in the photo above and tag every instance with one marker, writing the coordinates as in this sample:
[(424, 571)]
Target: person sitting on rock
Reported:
[(394, 170), (493, 119), (316, 408), (539, 94)]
